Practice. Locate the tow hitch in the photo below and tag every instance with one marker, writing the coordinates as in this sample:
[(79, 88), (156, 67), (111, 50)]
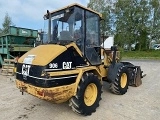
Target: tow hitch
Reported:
[(23, 89)]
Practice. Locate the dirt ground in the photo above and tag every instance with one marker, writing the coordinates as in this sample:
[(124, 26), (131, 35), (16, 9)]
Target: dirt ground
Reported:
[(141, 103)]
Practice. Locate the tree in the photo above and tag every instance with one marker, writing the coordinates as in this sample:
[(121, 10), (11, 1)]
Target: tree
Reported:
[(104, 7), (0, 31), (132, 22), (6, 23), (124, 23), (155, 21)]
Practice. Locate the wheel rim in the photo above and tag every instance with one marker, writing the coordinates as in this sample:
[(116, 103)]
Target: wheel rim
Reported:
[(90, 94), (123, 80)]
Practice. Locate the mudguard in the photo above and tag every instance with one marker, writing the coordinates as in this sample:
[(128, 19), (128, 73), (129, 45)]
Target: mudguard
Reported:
[(134, 73), (112, 71)]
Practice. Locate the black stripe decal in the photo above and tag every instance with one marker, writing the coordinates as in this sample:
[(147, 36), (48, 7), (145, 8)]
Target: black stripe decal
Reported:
[(47, 82)]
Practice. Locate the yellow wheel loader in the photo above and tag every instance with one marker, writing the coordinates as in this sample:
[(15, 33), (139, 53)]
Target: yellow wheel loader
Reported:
[(72, 65)]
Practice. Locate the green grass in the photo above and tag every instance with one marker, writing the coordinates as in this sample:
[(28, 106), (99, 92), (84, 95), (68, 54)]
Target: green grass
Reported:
[(150, 54)]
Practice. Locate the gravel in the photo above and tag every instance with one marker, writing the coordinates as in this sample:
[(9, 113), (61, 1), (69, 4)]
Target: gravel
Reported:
[(139, 103)]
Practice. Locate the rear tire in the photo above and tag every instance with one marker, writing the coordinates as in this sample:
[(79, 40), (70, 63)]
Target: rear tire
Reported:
[(88, 95), (120, 84)]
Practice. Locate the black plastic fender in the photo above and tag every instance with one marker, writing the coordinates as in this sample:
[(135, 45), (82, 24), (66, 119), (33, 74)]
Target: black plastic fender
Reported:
[(134, 73), (112, 71)]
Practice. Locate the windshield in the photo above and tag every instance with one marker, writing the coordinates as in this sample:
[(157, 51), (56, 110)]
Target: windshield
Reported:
[(66, 25)]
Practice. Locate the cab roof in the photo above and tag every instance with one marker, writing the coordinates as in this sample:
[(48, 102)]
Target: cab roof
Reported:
[(77, 5)]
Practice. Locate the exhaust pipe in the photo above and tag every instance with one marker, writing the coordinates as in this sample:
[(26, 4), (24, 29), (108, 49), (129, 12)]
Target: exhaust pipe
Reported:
[(49, 26)]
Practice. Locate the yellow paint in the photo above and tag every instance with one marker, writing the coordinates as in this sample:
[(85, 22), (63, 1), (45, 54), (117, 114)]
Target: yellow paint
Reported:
[(15, 70), (78, 80), (90, 94), (79, 72), (54, 94), (106, 57), (61, 93), (44, 54), (77, 49), (73, 44), (103, 71), (123, 80), (93, 69), (75, 4)]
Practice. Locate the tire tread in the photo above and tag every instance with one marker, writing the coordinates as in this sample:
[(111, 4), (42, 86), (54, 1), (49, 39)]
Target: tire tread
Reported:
[(76, 101)]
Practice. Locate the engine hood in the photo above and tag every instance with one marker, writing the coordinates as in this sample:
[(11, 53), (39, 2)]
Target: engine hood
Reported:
[(42, 55), (33, 66)]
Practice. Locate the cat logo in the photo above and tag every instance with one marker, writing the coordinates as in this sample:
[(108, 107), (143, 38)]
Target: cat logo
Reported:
[(67, 65), (25, 69)]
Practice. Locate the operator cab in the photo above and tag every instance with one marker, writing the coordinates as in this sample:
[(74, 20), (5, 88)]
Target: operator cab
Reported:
[(78, 24)]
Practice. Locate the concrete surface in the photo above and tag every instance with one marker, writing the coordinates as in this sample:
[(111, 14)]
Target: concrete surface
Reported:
[(141, 103)]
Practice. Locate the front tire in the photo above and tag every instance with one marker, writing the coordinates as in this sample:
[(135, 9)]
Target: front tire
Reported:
[(88, 95), (120, 84)]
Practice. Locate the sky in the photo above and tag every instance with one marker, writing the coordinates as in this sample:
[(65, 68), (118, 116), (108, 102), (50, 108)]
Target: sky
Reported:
[(29, 13)]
